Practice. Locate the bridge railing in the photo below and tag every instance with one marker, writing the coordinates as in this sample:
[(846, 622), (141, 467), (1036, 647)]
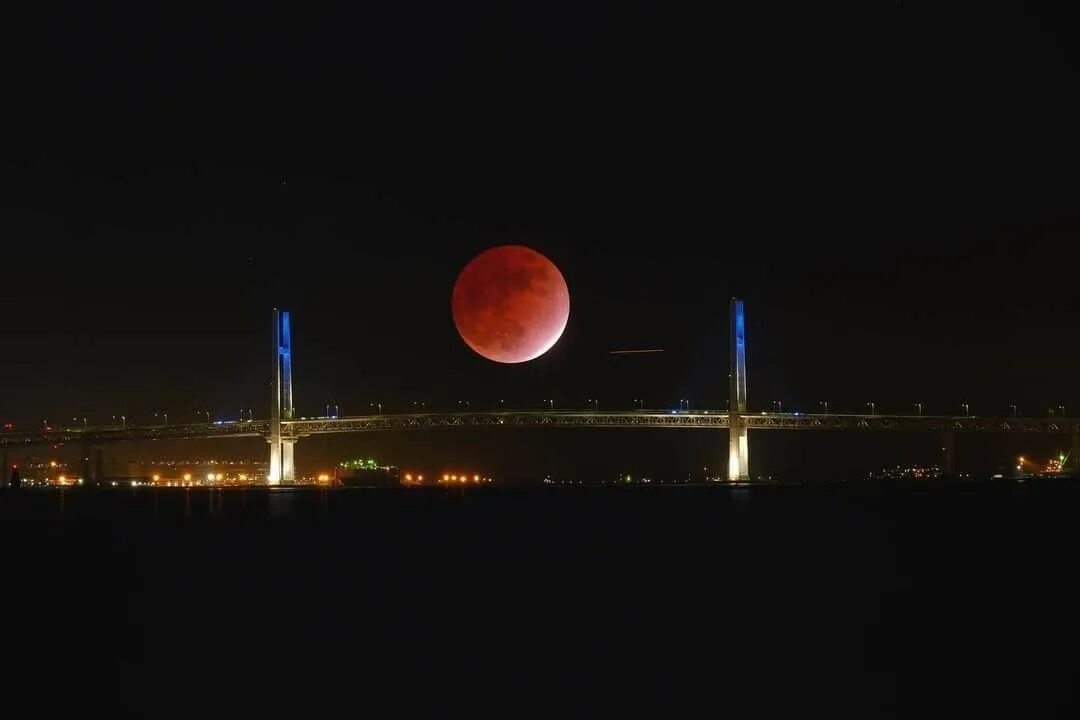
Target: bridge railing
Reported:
[(122, 433), (541, 418)]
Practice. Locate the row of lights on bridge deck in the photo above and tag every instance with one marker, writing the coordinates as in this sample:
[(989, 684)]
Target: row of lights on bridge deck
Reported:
[(548, 403), (684, 405), (778, 406), (122, 419)]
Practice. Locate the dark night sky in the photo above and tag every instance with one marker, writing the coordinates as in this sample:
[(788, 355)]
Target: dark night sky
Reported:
[(891, 186)]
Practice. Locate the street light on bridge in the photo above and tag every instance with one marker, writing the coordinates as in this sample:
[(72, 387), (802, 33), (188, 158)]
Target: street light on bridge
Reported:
[(825, 404), (165, 414), (967, 409), (464, 404), (1013, 406), (778, 406), (640, 403), (873, 407), (377, 405), (123, 419), (918, 407), (550, 404), (593, 402), (204, 412), (684, 405)]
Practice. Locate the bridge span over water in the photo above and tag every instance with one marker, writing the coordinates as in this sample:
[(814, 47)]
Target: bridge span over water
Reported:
[(283, 430), (397, 422)]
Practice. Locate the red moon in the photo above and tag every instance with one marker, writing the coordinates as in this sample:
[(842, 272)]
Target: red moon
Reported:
[(510, 304)]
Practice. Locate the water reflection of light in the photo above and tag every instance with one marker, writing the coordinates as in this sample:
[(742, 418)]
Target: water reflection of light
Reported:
[(281, 502)]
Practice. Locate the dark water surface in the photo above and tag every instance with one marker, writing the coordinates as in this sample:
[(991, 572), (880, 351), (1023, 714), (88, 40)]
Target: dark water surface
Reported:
[(951, 600)]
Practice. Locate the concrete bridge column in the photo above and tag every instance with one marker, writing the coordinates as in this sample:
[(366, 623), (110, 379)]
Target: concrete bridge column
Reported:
[(1074, 451), (948, 452), (273, 476), (288, 465), (738, 450), (282, 461)]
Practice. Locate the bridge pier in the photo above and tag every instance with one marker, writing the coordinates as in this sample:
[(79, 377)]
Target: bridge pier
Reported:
[(273, 473), (738, 435), (738, 451), (282, 462), (1074, 451), (948, 452)]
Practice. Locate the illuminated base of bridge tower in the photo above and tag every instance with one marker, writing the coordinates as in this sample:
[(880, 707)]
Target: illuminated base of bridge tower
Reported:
[(738, 451), (282, 463)]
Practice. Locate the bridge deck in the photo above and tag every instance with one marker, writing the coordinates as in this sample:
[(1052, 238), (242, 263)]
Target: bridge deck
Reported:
[(394, 422)]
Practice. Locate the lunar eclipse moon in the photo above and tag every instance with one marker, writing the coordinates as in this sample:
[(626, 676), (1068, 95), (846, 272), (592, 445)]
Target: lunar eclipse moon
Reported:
[(510, 304)]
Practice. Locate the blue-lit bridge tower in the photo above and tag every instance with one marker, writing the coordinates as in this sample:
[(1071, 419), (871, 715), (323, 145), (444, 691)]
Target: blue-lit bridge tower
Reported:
[(282, 464), (738, 438)]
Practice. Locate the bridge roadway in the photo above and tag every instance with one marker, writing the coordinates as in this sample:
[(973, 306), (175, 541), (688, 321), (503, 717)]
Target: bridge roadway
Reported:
[(393, 422)]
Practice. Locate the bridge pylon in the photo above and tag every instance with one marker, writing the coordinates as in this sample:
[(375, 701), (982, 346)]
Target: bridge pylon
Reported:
[(738, 437), (282, 465)]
